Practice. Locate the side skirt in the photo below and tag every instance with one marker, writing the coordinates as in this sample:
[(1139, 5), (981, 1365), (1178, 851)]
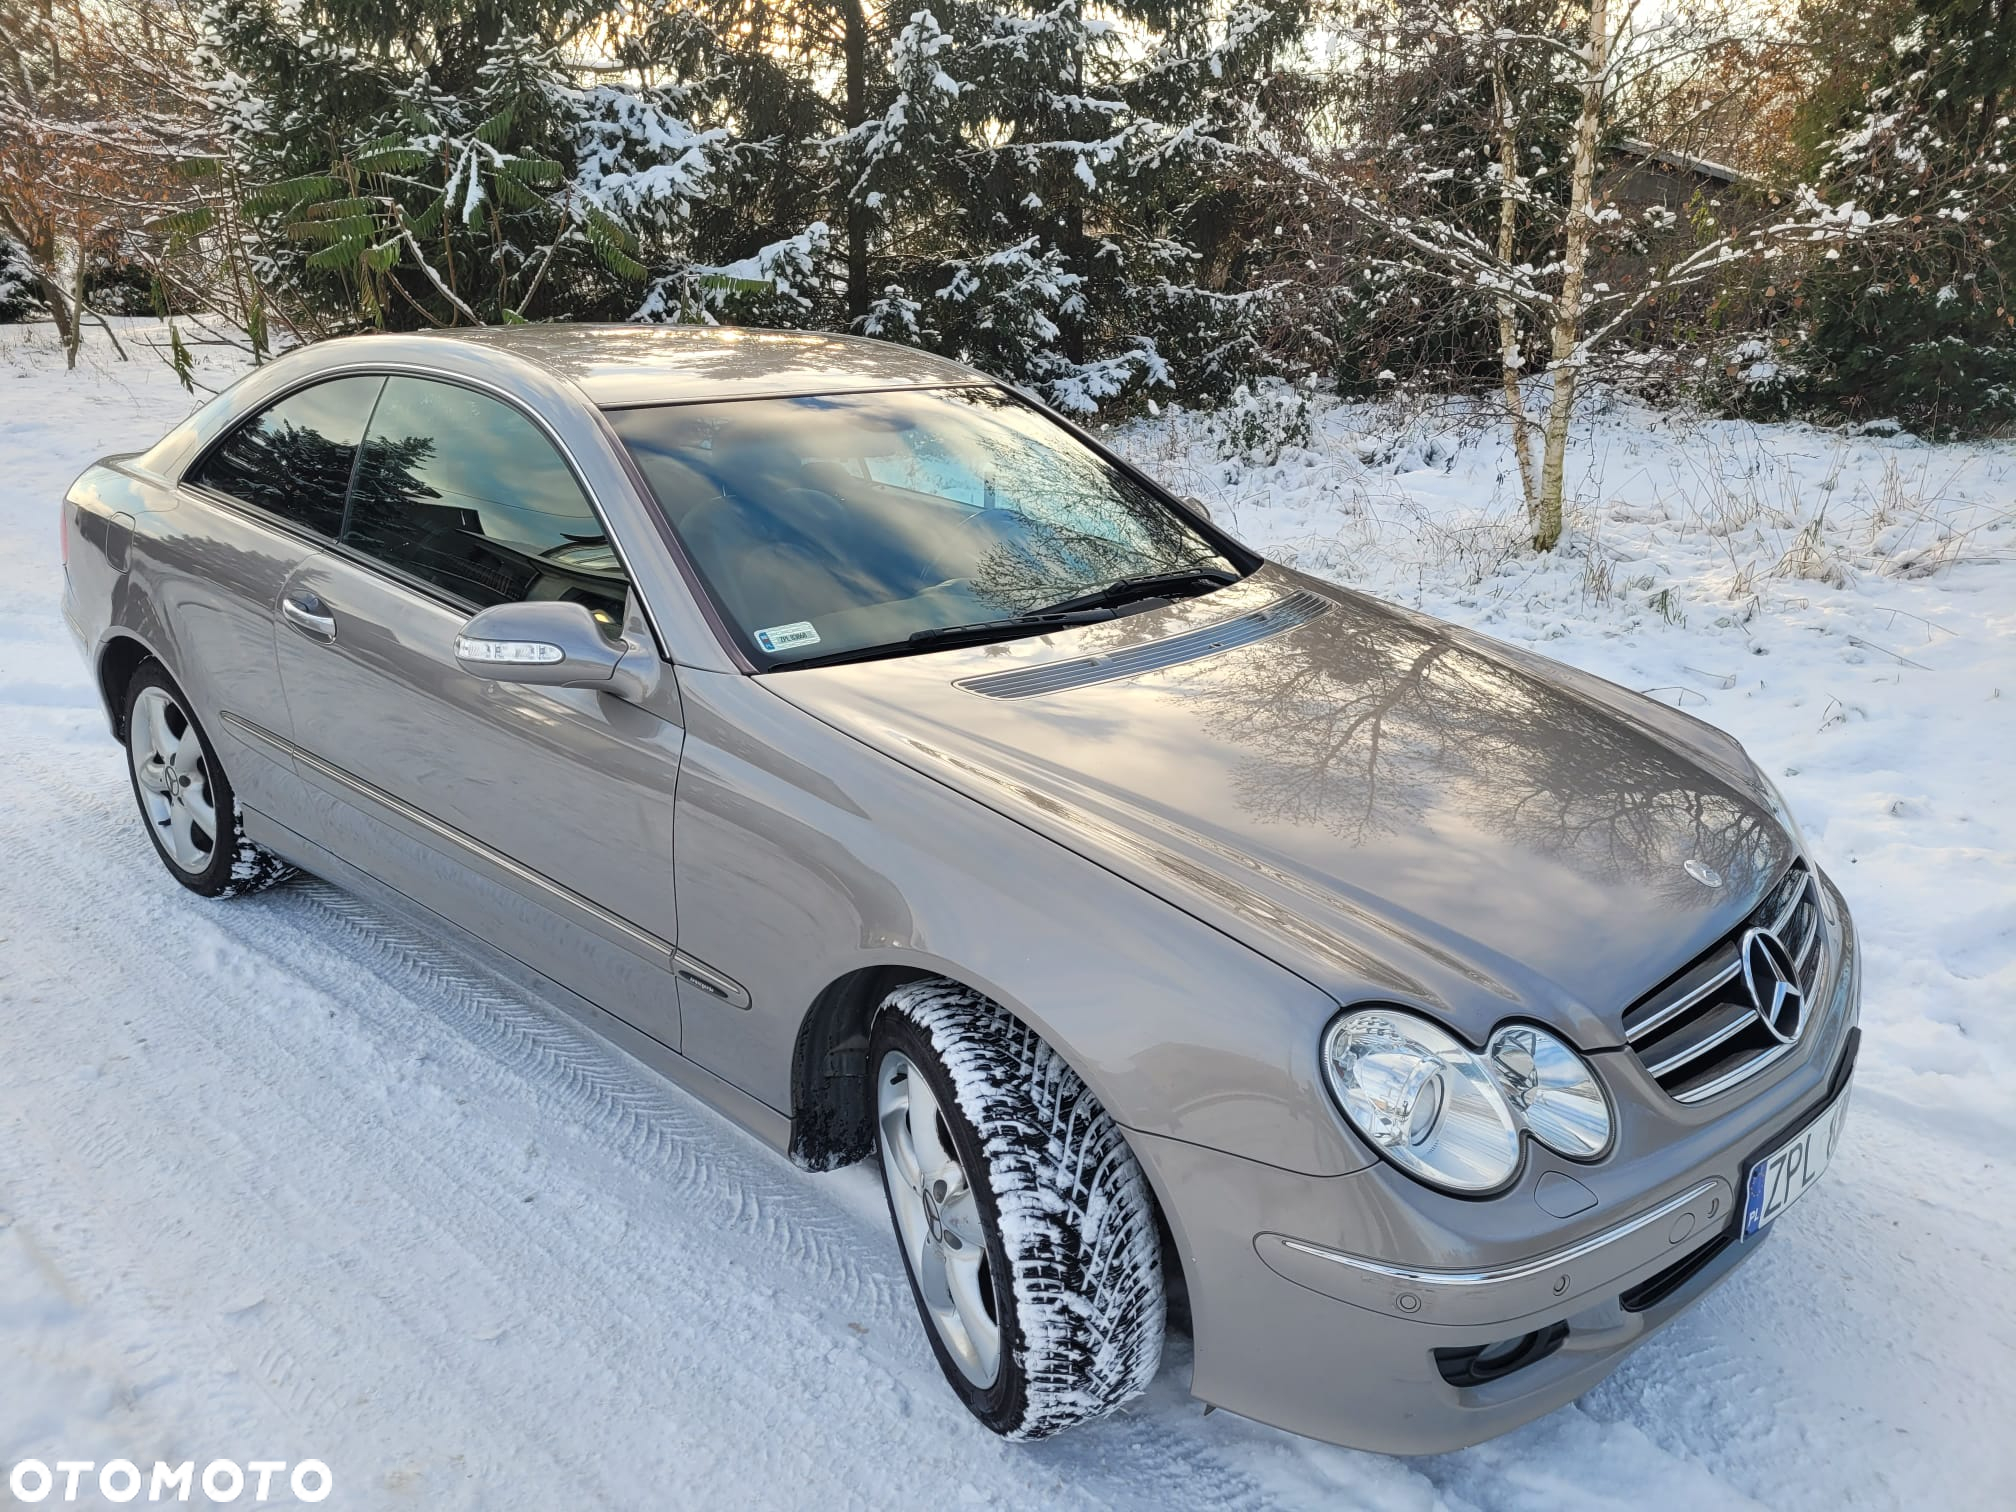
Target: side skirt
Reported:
[(759, 1118)]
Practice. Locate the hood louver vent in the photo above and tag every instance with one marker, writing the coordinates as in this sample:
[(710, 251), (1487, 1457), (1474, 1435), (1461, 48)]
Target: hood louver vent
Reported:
[(1056, 677)]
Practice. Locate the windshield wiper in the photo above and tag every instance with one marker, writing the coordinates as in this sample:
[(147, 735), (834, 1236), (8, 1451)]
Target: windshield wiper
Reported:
[(978, 633), (1128, 590), (1053, 617)]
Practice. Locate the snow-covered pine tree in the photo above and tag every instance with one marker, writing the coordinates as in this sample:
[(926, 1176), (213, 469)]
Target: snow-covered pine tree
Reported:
[(19, 281), (1921, 327), (893, 168), (485, 183), (295, 106), (1046, 185), (972, 176), (1198, 103), (792, 82), (735, 98)]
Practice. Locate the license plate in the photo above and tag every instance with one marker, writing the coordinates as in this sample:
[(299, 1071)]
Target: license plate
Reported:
[(1790, 1171)]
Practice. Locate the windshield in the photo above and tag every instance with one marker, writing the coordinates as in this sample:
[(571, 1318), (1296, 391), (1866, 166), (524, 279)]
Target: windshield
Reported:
[(852, 522)]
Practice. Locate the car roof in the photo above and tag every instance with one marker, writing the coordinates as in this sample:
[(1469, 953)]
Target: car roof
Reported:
[(627, 365)]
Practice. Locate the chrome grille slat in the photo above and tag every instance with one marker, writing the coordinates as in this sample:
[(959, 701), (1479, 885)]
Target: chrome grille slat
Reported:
[(1743, 1071), (1643, 1028), (1285, 613), (1809, 975), (1699, 1033), (1738, 1018), (1784, 915), (1806, 945)]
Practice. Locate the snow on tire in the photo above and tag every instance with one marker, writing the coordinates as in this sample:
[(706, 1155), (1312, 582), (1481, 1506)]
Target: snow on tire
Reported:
[(1073, 1266)]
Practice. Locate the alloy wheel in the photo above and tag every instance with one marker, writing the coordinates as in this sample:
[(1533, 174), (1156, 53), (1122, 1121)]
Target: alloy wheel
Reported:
[(173, 775), (938, 1219)]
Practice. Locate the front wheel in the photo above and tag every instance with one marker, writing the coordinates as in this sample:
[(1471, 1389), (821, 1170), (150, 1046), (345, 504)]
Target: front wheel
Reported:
[(1025, 1222)]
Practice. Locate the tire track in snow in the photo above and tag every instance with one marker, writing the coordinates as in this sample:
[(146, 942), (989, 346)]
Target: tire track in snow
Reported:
[(660, 1134), (219, 1153), (1183, 1460), (276, 1048), (277, 1363), (413, 1016), (408, 998)]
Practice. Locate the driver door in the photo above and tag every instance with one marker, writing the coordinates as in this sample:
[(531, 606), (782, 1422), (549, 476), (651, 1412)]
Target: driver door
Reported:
[(538, 818)]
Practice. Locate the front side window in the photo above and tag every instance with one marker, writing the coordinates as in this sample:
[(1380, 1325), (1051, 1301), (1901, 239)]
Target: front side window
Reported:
[(464, 493), (852, 523), (294, 458)]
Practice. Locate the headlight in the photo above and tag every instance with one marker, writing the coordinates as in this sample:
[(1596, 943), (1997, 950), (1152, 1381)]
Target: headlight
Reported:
[(1551, 1090), (1425, 1099), (1444, 1113)]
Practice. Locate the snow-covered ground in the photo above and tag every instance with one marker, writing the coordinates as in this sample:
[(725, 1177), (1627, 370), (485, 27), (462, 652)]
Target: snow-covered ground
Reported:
[(283, 1179)]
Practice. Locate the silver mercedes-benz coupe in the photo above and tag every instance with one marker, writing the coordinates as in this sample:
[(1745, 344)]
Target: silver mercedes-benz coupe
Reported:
[(1419, 1022)]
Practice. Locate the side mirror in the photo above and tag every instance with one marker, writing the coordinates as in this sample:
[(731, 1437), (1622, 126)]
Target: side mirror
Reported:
[(551, 643), (1199, 505)]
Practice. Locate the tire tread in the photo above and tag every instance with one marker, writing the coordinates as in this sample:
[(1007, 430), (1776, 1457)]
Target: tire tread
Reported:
[(1076, 1214)]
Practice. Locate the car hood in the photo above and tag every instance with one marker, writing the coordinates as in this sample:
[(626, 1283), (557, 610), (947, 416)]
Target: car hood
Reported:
[(1391, 807)]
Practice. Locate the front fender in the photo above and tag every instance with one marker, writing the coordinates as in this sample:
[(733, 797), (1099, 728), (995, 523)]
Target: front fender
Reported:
[(804, 856)]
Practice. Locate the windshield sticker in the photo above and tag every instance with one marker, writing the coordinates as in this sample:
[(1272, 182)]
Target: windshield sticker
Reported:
[(787, 637)]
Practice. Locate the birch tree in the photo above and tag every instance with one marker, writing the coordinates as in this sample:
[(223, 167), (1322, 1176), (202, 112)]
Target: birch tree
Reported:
[(1569, 354), (1515, 213)]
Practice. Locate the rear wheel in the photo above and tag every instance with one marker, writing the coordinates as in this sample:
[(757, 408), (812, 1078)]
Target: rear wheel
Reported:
[(186, 801), (1025, 1222)]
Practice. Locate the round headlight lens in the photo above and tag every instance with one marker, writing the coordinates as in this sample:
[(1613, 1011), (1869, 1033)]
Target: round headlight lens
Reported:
[(1551, 1089), (1423, 1097)]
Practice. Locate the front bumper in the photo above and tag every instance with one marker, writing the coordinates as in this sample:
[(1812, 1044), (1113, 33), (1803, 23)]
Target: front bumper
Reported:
[(1368, 1311)]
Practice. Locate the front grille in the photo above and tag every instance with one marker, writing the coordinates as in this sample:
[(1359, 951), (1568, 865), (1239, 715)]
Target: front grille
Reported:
[(1698, 1033)]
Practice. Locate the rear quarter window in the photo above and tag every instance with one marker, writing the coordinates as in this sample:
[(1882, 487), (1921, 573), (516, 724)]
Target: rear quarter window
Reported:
[(294, 458)]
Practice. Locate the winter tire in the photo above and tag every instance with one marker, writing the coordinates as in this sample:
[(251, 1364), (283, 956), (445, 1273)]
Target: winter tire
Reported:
[(186, 801), (1025, 1222)]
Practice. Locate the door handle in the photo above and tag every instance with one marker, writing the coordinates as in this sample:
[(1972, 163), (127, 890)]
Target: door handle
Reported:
[(308, 613)]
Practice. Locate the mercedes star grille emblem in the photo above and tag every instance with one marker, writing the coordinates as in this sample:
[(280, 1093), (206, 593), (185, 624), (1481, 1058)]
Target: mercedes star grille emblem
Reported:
[(1773, 984)]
